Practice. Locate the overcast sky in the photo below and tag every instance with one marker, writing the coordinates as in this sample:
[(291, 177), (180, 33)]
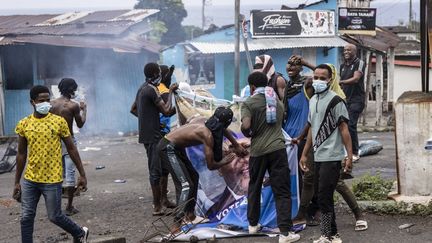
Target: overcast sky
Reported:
[(110, 4)]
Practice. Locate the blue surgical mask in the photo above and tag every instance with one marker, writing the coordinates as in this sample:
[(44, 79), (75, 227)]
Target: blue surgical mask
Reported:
[(319, 86), (43, 108)]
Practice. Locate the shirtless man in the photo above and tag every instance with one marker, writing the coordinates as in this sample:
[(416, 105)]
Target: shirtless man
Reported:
[(172, 151), (69, 110)]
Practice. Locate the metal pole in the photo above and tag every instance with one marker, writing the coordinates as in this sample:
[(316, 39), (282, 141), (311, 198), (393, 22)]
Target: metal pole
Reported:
[(410, 25), (246, 47), (424, 45), (237, 49), (202, 15)]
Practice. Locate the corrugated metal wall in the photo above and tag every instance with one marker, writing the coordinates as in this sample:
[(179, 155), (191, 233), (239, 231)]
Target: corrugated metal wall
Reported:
[(112, 80), (17, 106)]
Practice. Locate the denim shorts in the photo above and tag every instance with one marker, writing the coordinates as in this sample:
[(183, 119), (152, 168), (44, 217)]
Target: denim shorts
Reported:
[(68, 167)]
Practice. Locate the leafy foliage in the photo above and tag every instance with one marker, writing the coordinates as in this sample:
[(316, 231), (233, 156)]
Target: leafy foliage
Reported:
[(400, 208), (372, 188), (172, 13)]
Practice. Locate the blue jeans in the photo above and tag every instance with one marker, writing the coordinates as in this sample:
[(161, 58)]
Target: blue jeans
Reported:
[(31, 192)]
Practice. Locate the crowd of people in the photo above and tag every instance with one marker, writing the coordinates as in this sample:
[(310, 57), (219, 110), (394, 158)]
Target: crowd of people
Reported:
[(319, 113)]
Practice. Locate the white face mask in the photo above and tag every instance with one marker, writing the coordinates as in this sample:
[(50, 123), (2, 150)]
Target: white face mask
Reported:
[(319, 85), (43, 108)]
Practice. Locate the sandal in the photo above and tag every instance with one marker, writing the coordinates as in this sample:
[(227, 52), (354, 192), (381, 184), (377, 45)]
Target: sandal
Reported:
[(361, 225)]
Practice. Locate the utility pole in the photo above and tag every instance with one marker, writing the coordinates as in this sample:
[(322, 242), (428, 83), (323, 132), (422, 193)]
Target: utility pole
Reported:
[(202, 15), (237, 48), (410, 23)]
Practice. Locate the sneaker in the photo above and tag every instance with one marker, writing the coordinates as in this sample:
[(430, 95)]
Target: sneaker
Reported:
[(355, 158), (254, 229), (83, 239), (336, 238), (322, 239), (291, 237)]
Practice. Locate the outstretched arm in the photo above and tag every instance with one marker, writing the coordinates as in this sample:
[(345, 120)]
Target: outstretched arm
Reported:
[(238, 149), (168, 109), (209, 155)]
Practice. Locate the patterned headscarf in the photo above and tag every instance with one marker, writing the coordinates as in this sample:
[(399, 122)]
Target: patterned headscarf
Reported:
[(267, 66), (334, 82)]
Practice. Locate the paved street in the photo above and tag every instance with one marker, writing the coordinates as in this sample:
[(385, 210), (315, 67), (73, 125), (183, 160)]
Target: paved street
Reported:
[(124, 209)]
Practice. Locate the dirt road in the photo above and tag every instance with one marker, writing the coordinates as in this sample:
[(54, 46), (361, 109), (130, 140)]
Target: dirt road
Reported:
[(124, 209)]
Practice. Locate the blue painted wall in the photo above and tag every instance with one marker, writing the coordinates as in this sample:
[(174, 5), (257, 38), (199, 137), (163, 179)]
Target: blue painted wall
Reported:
[(17, 106), (111, 80)]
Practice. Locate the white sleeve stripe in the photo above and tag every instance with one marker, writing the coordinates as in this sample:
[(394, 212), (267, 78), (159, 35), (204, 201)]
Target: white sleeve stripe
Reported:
[(360, 67)]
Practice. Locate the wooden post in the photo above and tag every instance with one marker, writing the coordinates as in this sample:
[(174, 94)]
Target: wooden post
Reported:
[(379, 88), (367, 85), (390, 78)]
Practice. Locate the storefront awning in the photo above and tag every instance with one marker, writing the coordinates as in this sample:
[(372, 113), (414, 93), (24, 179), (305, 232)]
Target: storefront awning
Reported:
[(267, 44)]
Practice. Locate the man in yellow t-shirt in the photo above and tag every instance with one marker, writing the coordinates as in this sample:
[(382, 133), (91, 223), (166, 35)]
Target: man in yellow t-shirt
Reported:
[(39, 141)]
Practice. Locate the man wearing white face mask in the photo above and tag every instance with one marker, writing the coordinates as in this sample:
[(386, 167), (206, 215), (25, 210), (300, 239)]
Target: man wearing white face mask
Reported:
[(39, 143), (147, 106), (328, 135)]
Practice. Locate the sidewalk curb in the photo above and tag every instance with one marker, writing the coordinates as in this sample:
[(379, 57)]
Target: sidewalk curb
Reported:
[(375, 129)]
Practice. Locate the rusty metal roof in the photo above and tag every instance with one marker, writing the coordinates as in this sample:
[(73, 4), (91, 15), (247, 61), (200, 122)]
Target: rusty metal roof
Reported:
[(131, 45), (111, 22), (382, 41), (112, 29)]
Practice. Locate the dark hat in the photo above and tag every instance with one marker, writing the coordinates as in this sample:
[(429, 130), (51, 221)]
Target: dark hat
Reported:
[(224, 115)]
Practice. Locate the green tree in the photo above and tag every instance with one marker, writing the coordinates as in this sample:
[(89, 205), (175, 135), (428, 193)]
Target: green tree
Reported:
[(172, 13), (192, 31)]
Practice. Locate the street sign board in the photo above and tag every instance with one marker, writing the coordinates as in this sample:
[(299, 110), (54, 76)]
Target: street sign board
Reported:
[(360, 21), (292, 23)]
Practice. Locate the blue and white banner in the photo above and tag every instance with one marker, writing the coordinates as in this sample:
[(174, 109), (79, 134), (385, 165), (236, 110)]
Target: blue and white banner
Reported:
[(222, 195)]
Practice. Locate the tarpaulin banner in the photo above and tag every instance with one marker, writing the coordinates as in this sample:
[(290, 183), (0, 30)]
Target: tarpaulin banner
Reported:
[(222, 195), (292, 23)]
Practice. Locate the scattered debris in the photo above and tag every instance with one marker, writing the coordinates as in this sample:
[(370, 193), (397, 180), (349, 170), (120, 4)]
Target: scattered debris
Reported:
[(100, 167), (6, 202), (8, 161), (406, 226), (90, 149)]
